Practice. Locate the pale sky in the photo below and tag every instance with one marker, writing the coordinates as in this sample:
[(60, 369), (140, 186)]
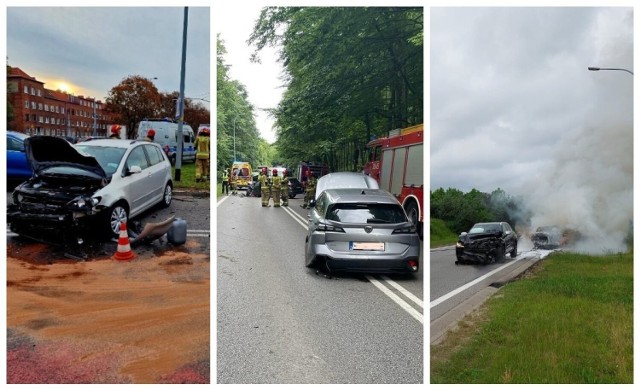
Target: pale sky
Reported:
[(91, 49), (262, 81)]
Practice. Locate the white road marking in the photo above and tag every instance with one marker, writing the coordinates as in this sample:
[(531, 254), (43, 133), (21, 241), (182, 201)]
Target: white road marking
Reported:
[(221, 201), (298, 219), (205, 233), (405, 292), (403, 304), (470, 284)]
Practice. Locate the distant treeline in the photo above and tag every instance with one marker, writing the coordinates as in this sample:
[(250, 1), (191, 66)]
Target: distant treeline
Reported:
[(460, 211)]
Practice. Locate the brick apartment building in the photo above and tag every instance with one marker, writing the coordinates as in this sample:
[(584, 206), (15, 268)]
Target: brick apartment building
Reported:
[(39, 110)]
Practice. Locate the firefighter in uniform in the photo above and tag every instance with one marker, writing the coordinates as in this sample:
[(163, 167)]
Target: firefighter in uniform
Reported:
[(225, 181), (310, 191), (265, 184), (201, 146), (284, 188), (275, 188)]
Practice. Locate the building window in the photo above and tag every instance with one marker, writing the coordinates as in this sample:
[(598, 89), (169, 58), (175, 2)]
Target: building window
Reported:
[(26, 117), (39, 106), (33, 91), (46, 107), (26, 89), (39, 93), (26, 104)]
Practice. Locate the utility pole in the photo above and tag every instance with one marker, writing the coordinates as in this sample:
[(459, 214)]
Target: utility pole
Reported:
[(181, 97)]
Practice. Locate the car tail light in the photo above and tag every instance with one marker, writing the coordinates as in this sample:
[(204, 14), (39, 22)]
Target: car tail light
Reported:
[(329, 228), (405, 230), (413, 264)]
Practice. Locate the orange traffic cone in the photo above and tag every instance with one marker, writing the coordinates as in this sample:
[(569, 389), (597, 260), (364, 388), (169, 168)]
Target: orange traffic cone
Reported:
[(124, 252)]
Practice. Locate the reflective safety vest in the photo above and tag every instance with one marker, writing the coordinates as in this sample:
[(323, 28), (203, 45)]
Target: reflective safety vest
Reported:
[(276, 182), (311, 185), (264, 182), (225, 176), (284, 185), (202, 147)]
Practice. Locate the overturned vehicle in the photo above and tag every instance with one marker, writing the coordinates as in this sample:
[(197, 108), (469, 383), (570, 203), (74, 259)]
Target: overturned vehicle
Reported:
[(486, 243), (86, 190)]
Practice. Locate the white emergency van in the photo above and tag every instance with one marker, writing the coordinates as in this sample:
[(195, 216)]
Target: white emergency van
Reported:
[(167, 137)]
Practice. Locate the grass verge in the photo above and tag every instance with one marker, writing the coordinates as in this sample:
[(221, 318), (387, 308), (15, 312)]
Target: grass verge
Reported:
[(440, 234), (568, 321), (188, 178)]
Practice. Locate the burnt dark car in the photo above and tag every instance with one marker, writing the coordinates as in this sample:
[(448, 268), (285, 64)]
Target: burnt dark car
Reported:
[(547, 237), (487, 243)]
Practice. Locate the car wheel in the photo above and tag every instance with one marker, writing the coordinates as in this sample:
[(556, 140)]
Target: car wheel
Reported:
[(117, 214), (167, 196), (414, 217), (514, 252)]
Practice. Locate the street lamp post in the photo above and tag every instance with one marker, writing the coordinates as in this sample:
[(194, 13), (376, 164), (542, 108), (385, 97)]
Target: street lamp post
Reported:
[(234, 139), (609, 69)]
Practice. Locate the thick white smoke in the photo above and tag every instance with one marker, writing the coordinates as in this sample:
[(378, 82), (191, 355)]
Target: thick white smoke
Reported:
[(588, 188), (588, 184)]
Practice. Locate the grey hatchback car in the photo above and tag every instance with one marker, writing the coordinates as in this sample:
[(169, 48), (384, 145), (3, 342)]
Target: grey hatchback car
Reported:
[(361, 230)]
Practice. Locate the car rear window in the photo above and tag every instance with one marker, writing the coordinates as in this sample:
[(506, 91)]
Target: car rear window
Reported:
[(366, 213)]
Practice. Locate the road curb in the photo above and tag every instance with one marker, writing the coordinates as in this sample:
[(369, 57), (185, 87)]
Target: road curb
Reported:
[(449, 321)]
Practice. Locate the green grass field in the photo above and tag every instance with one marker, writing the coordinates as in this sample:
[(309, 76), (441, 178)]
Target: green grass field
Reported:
[(188, 178), (568, 321), (440, 234)]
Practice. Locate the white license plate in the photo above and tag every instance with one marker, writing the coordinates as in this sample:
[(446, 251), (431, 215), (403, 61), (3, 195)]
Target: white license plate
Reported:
[(367, 246)]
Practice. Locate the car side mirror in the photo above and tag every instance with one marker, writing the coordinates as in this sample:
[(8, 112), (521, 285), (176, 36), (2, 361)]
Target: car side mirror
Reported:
[(135, 170), (312, 203), (463, 233)]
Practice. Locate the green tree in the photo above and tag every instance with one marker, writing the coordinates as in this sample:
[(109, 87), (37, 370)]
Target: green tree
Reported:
[(134, 99), (235, 120), (351, 73)]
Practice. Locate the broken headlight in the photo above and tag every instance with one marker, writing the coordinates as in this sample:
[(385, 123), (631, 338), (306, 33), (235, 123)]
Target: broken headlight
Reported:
[(83, 203)]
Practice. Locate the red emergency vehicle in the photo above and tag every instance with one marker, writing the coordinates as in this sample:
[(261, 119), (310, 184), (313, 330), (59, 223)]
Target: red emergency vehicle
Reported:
[(396, 161)]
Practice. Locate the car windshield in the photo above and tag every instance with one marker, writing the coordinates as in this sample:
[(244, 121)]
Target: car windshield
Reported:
[(481, 228), (366, 213), (108, 157), (294, 181)]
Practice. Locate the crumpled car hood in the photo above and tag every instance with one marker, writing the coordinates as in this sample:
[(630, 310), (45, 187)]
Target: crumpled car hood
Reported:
[(48, 151)]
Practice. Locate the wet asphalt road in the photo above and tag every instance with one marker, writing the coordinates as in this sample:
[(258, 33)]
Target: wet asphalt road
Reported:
[(279, 322)]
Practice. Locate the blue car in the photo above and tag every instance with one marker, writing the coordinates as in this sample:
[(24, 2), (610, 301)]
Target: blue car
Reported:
[(18, 168)]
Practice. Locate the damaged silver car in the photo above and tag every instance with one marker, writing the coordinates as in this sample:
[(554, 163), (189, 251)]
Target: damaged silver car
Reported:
[(87, 189), (487, 243)]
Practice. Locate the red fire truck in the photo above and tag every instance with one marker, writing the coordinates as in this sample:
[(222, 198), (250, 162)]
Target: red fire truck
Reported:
[(396, 161)]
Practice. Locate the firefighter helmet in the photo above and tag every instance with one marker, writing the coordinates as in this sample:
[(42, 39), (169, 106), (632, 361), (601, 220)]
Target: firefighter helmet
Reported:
[(115, 129)]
